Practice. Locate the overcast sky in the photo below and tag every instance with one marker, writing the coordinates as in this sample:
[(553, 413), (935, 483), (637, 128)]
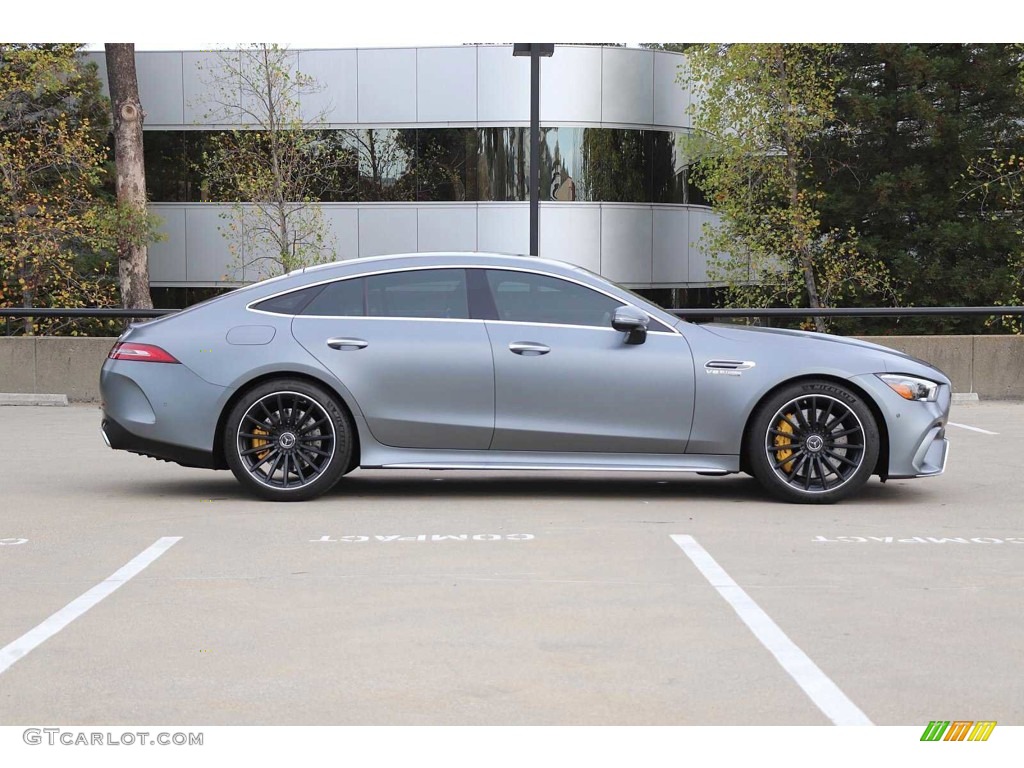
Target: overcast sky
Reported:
[(195, 24)]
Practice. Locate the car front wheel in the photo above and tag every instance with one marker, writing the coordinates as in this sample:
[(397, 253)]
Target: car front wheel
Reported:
[(288, 440), (814, 442)]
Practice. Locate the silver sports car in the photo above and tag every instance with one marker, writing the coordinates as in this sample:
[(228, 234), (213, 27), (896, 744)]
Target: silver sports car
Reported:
[(483, 361)]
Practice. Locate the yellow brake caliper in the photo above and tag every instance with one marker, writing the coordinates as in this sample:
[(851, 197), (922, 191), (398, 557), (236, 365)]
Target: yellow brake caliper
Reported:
[(257, 442), (781, 441)]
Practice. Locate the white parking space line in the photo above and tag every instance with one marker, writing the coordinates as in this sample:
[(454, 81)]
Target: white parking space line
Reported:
[(58, 621), (973, 429), (825, 694)]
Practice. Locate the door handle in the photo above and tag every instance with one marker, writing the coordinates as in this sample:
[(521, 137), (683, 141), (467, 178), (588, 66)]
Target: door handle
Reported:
[(347, 343), (529, 348)]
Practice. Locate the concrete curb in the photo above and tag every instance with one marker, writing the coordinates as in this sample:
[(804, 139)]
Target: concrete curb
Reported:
[(19, 398), (965, 397)]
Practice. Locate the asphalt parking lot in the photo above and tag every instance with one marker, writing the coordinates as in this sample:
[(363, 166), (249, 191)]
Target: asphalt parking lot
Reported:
[(527, 598)]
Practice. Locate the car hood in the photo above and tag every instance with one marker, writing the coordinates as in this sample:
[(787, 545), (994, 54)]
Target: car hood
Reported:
[(749, 333)]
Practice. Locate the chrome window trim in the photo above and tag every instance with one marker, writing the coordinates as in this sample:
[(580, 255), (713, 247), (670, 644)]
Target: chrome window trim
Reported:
[(249, 307), (465, 320), (364, 317), (568, 325)]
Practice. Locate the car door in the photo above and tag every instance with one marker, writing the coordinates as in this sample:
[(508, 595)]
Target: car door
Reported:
[(404, 345), (566, 381)]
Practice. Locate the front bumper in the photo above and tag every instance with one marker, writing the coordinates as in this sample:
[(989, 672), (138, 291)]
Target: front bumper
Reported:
[(933, 453), (917, 430), (930, 457)]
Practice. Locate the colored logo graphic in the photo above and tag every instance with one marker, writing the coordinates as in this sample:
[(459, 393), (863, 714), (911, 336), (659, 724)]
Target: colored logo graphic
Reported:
[(958, 730)]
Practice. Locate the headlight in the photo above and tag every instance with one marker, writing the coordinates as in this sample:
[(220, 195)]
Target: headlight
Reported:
[(911, 387)]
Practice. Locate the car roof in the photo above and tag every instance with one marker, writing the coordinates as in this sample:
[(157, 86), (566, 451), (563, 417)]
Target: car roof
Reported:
[(337, 270), (345, 268), (440, 257)]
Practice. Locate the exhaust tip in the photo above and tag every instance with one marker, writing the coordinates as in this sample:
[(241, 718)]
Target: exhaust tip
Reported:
[(103, 431)]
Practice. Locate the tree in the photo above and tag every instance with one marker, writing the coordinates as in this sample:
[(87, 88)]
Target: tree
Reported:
[(615, 165), (274, 166), (671, 47), (757, 112), (133, 229), (444, 170), (995, 183), (916, 119), (385, 161), (52, 127)]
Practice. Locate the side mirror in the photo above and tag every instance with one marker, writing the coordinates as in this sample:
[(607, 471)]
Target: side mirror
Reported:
[(633, 322)]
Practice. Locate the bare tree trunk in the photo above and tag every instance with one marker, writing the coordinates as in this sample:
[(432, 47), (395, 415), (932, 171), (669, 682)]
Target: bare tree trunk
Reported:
[(28, 302), (803, 250), (27, 293), (792, 178), (280, 196), (133, 257)]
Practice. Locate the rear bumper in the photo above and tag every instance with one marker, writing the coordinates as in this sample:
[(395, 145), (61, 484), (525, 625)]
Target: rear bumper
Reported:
[(120, 439), (160, 410)]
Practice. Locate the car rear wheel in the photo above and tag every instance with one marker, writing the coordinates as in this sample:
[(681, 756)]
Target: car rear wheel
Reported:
[(814, 442), (288, 440)]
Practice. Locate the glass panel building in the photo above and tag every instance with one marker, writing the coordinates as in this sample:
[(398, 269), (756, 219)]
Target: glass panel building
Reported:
[(431, 150)]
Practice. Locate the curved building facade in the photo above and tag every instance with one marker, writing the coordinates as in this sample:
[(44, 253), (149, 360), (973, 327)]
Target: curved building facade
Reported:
[(441, 139)]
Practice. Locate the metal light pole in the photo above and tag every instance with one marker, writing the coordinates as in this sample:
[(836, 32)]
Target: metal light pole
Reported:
[(534, 51)]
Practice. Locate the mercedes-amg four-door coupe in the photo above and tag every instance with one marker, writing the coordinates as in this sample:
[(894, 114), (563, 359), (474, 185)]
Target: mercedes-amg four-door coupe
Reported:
[(486, 361)]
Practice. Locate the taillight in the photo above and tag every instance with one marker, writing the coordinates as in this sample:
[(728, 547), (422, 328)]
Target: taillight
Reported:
[(144, 353)]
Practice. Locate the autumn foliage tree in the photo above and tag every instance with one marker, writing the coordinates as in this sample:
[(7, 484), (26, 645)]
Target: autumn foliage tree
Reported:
[(52, 128), (757, 113)]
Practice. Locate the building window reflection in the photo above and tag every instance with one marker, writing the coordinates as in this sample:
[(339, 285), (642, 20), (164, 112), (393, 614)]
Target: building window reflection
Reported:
[(387, 171), (451, 165), (563, 186), (445, 170), (503, 164)]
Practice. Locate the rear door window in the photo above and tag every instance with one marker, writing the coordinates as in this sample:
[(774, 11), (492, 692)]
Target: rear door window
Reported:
[(343, 298), (425, 293)]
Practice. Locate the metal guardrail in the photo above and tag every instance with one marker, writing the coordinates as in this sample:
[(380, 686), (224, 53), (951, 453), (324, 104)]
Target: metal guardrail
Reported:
[(845, 312), (692, 314), (11, 314), (681, 312), (111, 312)]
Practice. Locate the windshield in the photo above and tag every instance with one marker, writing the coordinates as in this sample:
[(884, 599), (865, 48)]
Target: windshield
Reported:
[(637, 296)]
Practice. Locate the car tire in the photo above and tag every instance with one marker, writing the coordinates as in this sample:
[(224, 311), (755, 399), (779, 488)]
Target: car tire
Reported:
[(288, 440), (813, 442)]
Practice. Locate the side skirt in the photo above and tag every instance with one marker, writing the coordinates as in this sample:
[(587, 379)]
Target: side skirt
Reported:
[(393, 458)]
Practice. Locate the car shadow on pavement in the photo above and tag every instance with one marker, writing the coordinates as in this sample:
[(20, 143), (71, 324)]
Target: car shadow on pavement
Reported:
[(384, 483), (683, 486), (436, 485)]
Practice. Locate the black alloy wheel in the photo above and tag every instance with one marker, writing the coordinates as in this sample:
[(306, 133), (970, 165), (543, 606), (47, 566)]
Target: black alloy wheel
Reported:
[(288, 440), (813, 442)]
